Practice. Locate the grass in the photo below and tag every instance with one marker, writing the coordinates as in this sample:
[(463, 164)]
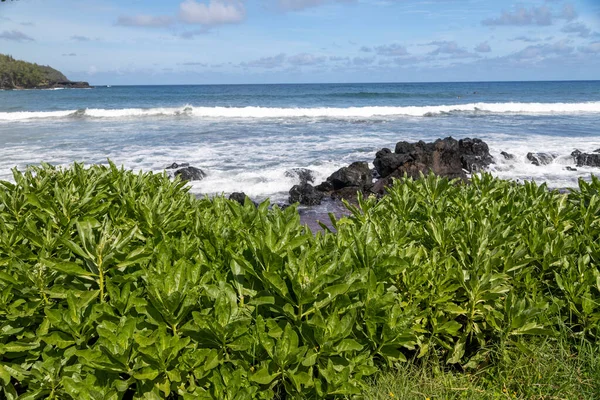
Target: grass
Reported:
[(552, 369)]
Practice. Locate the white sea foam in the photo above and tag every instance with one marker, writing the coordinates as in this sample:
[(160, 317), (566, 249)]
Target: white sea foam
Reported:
[(24, 115), (322, 112)]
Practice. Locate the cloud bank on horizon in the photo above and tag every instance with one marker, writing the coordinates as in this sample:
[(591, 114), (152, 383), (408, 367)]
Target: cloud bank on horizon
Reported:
[(275, 41)]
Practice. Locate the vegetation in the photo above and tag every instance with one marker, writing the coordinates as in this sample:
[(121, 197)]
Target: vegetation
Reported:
[(16, 74), (116, 285), (552, 369)]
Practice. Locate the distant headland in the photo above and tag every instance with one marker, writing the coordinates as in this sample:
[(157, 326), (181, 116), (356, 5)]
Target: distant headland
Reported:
[(17, 74)]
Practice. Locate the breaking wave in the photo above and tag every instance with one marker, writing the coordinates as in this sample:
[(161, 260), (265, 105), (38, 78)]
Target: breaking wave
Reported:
[(322, 112)]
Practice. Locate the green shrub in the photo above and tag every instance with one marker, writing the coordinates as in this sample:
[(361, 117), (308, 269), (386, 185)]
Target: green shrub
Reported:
[(16, 74), (116, 285)]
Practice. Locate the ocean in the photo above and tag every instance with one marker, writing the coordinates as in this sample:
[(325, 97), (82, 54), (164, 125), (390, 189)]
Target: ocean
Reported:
[(245, 137)]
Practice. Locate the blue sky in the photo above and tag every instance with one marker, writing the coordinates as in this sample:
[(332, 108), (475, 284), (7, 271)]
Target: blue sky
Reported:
[(296, 41)]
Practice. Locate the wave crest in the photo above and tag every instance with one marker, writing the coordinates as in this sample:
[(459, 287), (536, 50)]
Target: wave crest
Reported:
[(320, 112)]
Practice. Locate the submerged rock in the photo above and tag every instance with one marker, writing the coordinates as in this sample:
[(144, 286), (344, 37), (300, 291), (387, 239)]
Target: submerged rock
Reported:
[(185, 172), (305, 194), (507, 156), (569, 168), (585, 159), (304, 175), (177, 166), (541, 158), (190, 174)]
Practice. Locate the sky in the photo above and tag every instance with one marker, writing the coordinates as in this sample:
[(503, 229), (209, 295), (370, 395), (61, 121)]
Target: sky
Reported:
[(305, 41)]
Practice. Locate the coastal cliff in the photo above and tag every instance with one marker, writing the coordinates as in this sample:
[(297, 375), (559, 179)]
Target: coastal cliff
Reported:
[(17, 74)]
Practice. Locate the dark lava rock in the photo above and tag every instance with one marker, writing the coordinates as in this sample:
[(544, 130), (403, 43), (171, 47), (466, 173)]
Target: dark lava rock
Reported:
[(540, 158), (304, 175), (570, 168), (375, 174), (190, 174), (474, 154), (176, 166), (325, 187), (411, 170), (67, 85), (447, 160), (441, 157), (585, 159), (387, 162), (240, 197), (306, 195), (348, 193), (445, 157), (407, 148), (356, 174), (596, 151), (507, 156)]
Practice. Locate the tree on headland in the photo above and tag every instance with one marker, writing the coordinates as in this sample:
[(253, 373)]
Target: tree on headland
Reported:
[(17, 74)]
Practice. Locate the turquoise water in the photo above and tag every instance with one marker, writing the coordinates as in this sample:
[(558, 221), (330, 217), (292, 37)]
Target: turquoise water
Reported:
[(246, 136)]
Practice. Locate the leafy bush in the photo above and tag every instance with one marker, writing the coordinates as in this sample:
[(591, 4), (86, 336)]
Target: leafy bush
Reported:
[(116, 285)]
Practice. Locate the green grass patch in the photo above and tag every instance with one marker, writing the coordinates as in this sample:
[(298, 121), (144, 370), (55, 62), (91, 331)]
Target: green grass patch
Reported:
[(554, 369), (115, 285)]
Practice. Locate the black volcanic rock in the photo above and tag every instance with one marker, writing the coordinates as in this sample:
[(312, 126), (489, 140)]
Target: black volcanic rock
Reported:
[(447, 157), (586, 159), (190, 174), (304, 175), (387, 162), (507, 156), (474, 154), (177, 166), (541, 158), (239, 197), (356, 174), (305, 194)]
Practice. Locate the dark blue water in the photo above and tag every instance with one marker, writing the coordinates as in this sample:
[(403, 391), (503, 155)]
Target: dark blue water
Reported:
[(246, 136), (301, 95)]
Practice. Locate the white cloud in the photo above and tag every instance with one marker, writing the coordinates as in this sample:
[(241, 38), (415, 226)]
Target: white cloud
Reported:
[(16, 36), (483, 48), (215, 12), (542, 51), (568, 12), (541, 16), (266, 62), (360, 61), (145, 21), (80, 38), (578, 28), (450, 48), (593, 48), (296, 5), (306, 59), (392, 50), (523, 16)]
